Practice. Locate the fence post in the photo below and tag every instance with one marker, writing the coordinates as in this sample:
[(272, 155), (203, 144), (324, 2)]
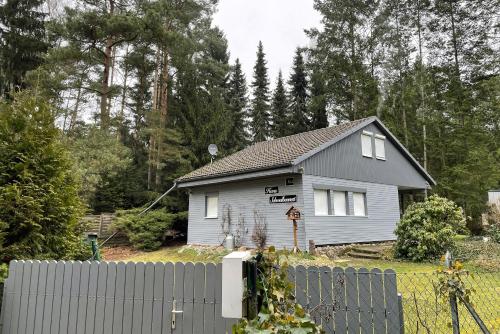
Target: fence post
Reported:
[(401, 314), (454, 314)]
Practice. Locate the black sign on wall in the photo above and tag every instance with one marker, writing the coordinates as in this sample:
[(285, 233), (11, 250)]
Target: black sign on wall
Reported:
[(271, 190), (283, 199)]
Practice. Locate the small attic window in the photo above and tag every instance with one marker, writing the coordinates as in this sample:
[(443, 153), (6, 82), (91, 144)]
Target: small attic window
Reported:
[(380, 147), (366, 144)]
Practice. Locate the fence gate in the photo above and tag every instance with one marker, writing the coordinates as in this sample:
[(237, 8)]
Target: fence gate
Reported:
[(104, 298), (99, 297)]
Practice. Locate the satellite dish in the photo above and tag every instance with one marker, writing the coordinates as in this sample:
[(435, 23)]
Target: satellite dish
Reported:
[(212, 149)]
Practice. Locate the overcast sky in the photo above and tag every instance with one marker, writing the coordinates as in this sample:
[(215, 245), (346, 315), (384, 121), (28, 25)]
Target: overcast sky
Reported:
[(279, 24)]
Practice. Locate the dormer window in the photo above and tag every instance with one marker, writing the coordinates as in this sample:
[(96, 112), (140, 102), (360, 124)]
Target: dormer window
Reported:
[(380, 147), (366, 144)]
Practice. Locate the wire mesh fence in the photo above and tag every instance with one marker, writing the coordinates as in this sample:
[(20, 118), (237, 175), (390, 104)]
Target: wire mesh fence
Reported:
[(425, 310)]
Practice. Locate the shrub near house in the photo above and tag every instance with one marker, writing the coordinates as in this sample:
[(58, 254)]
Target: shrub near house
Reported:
[(427, 229)]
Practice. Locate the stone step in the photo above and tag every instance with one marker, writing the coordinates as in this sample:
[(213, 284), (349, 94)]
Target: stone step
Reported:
[(366, 250), (364, 255)]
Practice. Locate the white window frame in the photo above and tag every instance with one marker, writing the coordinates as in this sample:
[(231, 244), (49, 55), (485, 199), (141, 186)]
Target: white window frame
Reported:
[(212, 215), (340, 194), (380, 155), (367, 135), (365, 210), (326, 193)]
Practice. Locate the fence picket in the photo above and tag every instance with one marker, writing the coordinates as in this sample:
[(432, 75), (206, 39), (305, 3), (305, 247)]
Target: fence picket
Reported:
[(138, 302), (110, 298), (76, 268), (209, 306), (16, 305), (49, 297), (313, 292), (338, 278), (351, 293), (33, 297), (326, 299), (391, 301), (168, 297), (83, 297), (10, 297), (147, 312), (379, 324), (365, 301), (199, 297), (128, 304), (187, 315), (301, 286), (65, 298), (159, 271), (178, 296), (92, 297), (23, 298), (57, 301), (119, 298)]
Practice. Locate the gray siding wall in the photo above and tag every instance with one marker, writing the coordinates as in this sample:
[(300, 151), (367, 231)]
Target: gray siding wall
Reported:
[(382, 207), (344, 160), (244, 197)]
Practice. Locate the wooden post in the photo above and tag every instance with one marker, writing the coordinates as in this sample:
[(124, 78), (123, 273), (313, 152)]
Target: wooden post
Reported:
[(312, 247), (454, 314), (295, 243)]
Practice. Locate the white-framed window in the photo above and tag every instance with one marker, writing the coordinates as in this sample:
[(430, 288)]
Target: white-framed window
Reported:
[(359, 203), (380, 147), (366, 144), (339, 203), (211, 205), (321, 202)]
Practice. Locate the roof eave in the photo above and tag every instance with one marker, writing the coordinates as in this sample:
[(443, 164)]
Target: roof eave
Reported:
[(225, 175)]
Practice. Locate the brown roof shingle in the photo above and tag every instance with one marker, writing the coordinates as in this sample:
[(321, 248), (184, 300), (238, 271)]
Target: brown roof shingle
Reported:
[(270, 154)]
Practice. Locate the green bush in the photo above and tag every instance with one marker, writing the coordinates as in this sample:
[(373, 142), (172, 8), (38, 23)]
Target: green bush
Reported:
[(428, 228), (494, 233), (4, 270), (148, 232)]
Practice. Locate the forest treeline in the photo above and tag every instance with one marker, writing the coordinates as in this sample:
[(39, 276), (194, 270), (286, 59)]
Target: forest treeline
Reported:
[(139, 88)]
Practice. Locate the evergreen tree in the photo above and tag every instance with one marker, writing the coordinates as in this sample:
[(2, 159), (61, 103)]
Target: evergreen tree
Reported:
[(299, 95), (317, 103), (279, 110), (39, 204), (238, 101), (23, 43), (341, 51), (260, 103)]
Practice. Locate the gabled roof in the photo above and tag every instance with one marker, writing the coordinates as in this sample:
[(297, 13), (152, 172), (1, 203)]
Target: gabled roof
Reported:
[(288, 151)]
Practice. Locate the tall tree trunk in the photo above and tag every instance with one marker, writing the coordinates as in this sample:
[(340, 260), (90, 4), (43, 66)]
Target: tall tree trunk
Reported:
[(74, 114), (163, 115), (152, 120), (354, 93), (423, 104), (121, 114), (112, 78), (105, 75)]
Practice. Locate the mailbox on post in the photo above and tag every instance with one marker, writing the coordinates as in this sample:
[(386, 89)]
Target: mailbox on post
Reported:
[(233, 284)]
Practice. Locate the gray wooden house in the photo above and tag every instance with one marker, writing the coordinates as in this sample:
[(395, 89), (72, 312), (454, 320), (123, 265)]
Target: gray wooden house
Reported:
[(348, 181)]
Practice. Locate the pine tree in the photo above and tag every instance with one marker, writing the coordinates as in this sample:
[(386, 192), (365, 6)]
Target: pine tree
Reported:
[(260, 103), (299, 96), (238, 101), (317, 103), (279, 110), (23, 42), (341, 49)]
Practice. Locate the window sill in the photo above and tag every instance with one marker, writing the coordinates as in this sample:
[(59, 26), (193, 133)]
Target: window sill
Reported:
[(367, 156), (379, 158), (211, 217)]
